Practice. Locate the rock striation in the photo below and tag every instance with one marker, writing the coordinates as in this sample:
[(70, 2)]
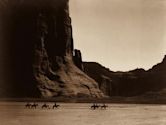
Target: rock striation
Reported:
[(40, 51)]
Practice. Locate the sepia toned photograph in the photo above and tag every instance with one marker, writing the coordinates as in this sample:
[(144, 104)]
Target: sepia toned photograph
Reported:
[(82, 62)]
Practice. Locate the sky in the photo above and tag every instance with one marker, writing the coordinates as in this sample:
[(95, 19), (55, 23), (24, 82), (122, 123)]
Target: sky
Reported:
[(120, 34)]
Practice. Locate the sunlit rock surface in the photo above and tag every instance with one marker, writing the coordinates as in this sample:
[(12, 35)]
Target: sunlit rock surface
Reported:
[(39, 42)]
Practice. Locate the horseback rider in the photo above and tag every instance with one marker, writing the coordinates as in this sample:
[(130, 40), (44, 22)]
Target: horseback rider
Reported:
[(55, 105), (104, 106)]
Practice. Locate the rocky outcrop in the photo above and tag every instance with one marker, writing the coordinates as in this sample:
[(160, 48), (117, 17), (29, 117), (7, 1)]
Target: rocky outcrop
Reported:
[(78, 59), (40, 50)]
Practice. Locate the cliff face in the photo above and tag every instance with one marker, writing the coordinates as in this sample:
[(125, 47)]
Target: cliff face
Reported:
[(158, 75), (78, 59), (132, 83), (40, 51), (102, 76)]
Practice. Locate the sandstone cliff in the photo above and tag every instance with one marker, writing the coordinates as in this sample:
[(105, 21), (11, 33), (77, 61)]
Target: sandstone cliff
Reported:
[(39, 42)]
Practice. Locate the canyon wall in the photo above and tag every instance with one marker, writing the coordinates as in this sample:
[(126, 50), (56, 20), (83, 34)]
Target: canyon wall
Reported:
[(39, 51)]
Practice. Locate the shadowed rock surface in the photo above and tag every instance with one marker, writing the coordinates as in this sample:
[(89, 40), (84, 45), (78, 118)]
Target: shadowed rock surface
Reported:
[(78, 59), (131, 83), (38, 58), (38, 38)]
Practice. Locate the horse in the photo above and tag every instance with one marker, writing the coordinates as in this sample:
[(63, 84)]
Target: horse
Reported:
[(55, 106), (95, 106), (45, 106), (28, 105), (104, 106), (34, 105)]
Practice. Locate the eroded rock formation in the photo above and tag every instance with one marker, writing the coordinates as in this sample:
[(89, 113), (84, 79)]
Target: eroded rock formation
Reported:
[(78, 59), (40, 51)]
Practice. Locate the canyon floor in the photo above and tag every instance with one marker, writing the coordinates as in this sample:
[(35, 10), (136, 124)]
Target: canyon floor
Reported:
[(15, 113)]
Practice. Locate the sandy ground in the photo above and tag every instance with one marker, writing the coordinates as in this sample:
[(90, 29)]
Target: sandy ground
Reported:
[(80, 114)]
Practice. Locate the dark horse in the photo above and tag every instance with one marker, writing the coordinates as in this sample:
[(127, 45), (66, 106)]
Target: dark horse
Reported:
[(28, 105), (95, 106), (45, 106), (104, 106), (55, 106), (34, 105)]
